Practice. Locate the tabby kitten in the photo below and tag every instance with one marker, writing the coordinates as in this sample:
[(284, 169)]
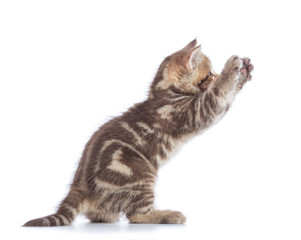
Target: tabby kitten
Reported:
[(118, 168)]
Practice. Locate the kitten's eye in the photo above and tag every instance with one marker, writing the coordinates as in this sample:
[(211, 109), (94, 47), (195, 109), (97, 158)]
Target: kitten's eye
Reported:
[(212, 75)]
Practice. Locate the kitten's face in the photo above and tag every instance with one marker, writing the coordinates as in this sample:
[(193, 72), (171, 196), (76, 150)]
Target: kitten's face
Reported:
[(187, 71)]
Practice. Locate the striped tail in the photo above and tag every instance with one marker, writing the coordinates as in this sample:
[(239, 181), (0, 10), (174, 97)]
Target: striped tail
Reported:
[(68, 210)]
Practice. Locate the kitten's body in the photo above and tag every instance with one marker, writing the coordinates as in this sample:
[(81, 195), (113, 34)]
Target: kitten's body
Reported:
[(118, 168)]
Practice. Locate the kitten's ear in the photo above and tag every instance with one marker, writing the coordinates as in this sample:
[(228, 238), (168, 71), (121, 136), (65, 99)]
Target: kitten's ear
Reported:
[(190, 45), (192, 58)]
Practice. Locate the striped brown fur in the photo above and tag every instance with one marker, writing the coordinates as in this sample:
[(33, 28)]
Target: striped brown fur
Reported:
[(118, 168)]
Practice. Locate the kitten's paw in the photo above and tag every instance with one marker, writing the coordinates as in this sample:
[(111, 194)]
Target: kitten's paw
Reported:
[(228, 78), (245, 72), (246, 68), (172, 217), (159, 217), (232, 67), (235, 63)]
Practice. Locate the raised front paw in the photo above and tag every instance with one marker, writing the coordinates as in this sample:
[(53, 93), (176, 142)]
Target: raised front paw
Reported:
[(233, 64), (231, 70), (245, 72)]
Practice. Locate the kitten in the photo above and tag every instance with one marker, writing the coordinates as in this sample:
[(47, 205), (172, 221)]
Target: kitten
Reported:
[(118, 168)]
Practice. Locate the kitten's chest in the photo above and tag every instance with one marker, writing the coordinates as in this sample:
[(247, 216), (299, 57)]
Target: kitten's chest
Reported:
[(168, 148)]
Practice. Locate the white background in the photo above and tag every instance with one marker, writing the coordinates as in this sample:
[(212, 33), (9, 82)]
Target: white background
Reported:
[(66, 67)]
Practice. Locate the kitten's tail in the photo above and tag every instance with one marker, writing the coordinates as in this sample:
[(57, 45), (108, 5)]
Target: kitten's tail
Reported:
[(67, 211)]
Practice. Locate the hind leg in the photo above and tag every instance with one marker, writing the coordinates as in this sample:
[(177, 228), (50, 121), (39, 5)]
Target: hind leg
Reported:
[(141, 210), (102, 217)]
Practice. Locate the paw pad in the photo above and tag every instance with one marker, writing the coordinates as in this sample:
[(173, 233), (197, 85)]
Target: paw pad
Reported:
[(246, 68)]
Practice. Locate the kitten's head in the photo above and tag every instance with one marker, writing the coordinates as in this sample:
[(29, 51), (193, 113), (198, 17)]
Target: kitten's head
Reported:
[(187, 71)]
